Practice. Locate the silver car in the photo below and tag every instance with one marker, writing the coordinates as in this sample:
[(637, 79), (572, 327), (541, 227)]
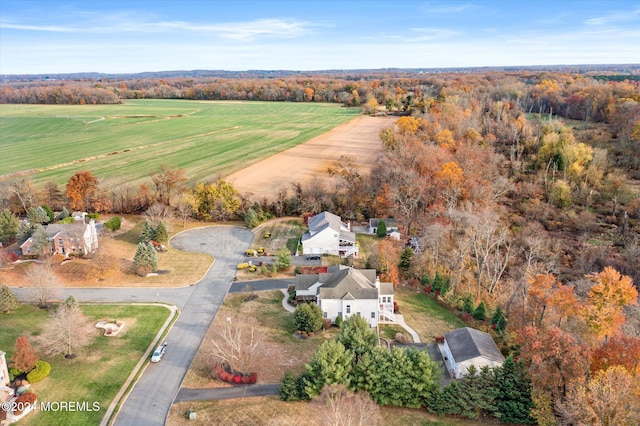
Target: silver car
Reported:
[(159, 353)]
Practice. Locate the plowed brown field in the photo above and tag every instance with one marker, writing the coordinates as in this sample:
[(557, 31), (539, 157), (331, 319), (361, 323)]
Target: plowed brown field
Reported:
[(358, 138)]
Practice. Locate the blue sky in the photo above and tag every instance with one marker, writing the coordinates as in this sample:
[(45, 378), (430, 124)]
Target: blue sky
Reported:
[(50, 36)]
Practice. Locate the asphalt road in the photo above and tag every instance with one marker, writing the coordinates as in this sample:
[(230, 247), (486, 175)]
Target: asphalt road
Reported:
[(187, 394), (151, 398)]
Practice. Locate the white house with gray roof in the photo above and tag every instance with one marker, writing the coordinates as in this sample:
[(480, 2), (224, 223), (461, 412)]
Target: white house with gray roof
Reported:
[(467, 346), (344, 291), (328, 234)]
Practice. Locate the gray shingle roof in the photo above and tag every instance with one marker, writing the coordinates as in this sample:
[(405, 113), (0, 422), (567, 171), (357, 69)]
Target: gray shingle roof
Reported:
[(359, 283), (468, 343)]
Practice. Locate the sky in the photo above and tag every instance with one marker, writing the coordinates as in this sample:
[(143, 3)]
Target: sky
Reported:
[(129, 36)]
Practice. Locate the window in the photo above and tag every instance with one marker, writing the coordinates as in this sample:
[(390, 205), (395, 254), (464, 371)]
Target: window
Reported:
[(373, 315), (348, 309), (60, 241), (324, 315)]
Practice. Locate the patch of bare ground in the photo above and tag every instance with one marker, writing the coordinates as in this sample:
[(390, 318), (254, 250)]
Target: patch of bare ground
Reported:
[(357, 138), (271, 411), (278, 352)]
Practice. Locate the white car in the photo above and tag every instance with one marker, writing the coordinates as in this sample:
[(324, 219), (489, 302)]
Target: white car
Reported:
[(159, 353)]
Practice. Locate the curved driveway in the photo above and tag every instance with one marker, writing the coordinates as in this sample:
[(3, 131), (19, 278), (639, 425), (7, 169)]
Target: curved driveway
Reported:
[(151, 398)]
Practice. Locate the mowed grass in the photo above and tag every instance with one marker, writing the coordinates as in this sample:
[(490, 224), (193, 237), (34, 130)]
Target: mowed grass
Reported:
[(128, 142), (99, 370)]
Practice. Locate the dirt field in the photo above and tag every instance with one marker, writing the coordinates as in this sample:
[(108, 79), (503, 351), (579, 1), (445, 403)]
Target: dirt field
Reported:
[(357, 138)]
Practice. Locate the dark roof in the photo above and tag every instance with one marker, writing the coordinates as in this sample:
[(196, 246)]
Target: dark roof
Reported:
[(468, 343), (389, 222), (350, 283)]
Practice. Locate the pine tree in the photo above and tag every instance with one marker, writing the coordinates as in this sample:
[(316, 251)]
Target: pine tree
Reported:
[(161, 235), (64, 213), (148, 233), (70, 302), (332, 364), (468, 304), (357, 336), (513, 393), (251, 218), (480, 313), (382, 229), (146, 259), (8, 225), (405, 259), (8, 300)]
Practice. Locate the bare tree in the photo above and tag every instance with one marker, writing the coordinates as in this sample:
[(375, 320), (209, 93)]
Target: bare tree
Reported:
[(44, 283), (167, 181), (184, 207), (158, 212), (236, 343), (336, 405), (67, 330)]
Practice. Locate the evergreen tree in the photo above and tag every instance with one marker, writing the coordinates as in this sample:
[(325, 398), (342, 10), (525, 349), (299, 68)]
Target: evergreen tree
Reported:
[(332, 364), (513, 393), (251, 218), (382, 229), (70, 302), (289, 389), (40, 240), (499, 320), (405, 260), (480, 313), (8, 300), (64, 213), (146, 259), (37, 215), (8, 226), (440, 283), (25, 230), (468, 304), (283, 258), (161, 234), (148, 233), (49, 211), (357, 336)]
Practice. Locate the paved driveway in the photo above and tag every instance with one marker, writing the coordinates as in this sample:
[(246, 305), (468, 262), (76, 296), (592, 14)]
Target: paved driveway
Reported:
[(151, 398)]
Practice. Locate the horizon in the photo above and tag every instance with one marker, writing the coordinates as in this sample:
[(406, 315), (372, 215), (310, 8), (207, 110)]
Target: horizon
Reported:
[(67, 37)]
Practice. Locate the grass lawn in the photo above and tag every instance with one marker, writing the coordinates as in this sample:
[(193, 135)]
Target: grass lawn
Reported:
[(99, 370), (127, 142), (425, 315), (271, 411)]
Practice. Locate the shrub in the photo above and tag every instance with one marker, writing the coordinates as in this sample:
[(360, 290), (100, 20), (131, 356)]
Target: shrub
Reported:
[(41, 371), (307, 317), (67, 220), (113, 224), (94, 216), (27, 398), (339, 321), (440, 283), (8, 300), (252, 269), (243, 265)]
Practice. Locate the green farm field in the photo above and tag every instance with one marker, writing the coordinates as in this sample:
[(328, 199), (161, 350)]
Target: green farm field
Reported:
[(127, 142)]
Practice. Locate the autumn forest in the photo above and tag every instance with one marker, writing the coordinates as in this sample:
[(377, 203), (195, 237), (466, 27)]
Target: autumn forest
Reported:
[(522, 189)]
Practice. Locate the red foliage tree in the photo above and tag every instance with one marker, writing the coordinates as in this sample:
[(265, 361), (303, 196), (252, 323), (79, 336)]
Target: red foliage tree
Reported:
[(619, 349), (24, 357)]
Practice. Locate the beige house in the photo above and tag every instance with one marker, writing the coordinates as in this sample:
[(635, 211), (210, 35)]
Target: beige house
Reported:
[(78, 238)]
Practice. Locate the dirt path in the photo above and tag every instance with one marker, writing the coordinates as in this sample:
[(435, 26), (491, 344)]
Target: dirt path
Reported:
[(357, 138)]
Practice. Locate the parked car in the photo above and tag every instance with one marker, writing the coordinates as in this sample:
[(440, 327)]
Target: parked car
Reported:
[(159, 352), (313, 257)]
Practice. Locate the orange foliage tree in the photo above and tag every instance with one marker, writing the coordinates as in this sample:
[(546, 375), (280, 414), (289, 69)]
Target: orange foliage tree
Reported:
[(620, 349), (554, 358), (611, 292), (24, 357), (85, 194)]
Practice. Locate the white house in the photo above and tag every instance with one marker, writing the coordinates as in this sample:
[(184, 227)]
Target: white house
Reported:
[(467, 346), (344, 292), (328, 234), (4, 371)]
